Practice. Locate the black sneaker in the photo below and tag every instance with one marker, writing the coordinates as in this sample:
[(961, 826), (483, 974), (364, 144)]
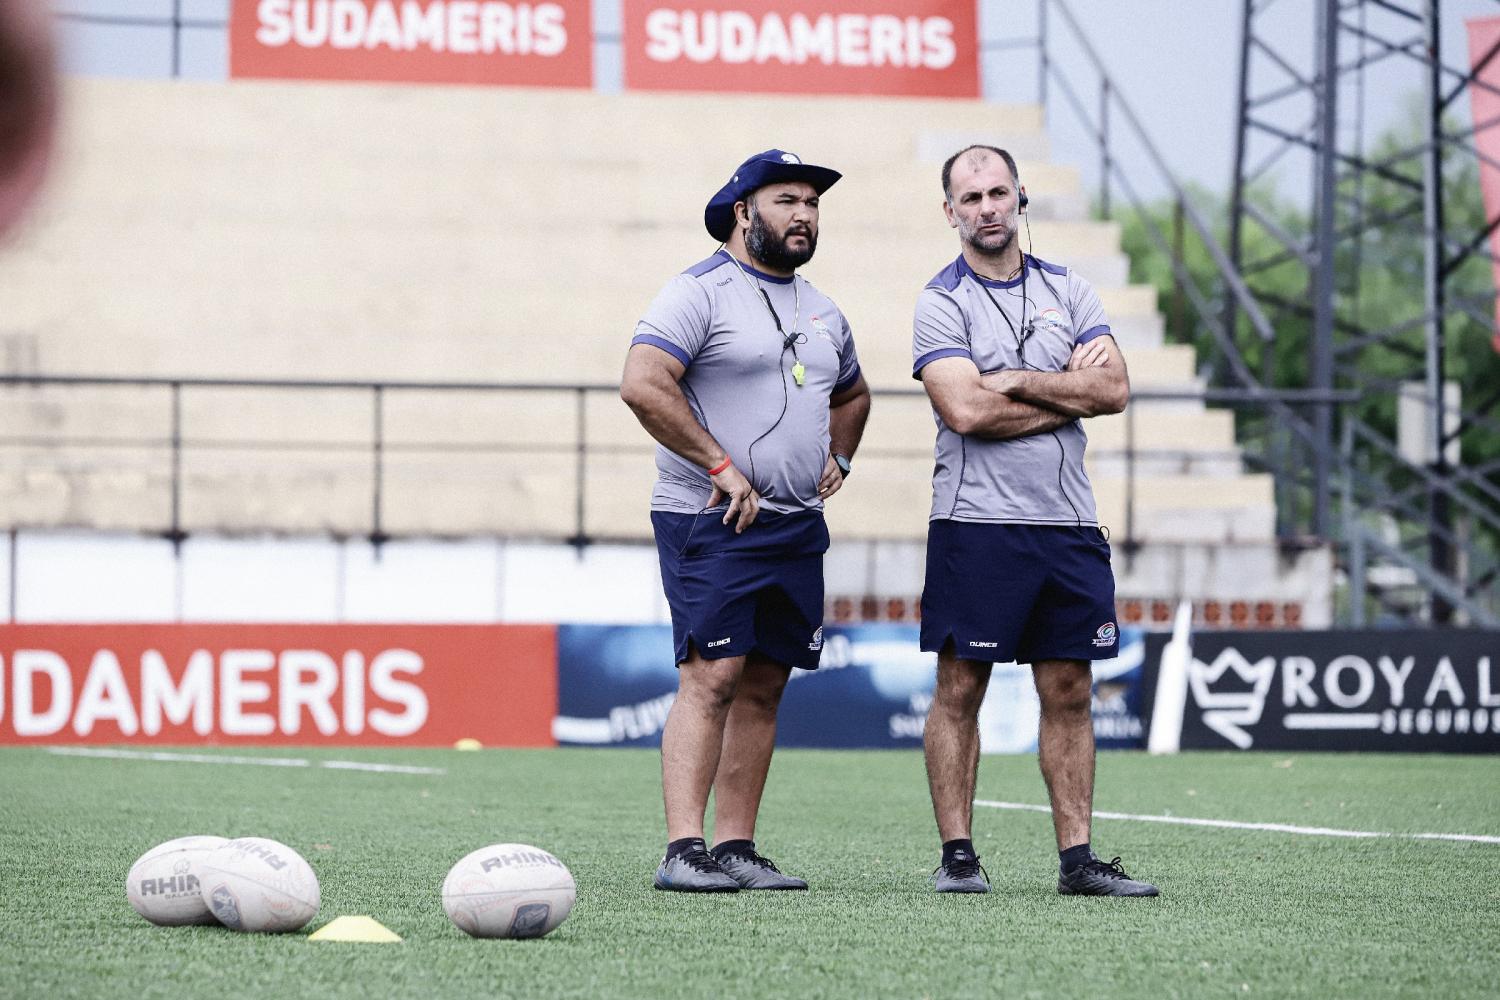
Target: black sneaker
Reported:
[(963, 874), (752, 871), (694, 871), (1099, 878)]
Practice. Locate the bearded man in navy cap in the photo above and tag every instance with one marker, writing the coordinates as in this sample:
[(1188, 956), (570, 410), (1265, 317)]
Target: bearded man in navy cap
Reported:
[(746, 376)]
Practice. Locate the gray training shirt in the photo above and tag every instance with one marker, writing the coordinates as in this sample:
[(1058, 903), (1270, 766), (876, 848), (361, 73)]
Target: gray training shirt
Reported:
[(739, 380), (1029, 480)]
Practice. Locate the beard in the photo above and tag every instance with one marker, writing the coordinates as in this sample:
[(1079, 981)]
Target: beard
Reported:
[(990, 244), (771, 250)]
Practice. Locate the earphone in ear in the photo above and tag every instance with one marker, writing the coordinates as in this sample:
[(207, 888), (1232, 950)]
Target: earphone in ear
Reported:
[(1023, 201)]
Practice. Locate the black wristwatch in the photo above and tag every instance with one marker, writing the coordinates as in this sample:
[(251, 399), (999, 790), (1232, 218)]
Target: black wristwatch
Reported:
[(842, 463)]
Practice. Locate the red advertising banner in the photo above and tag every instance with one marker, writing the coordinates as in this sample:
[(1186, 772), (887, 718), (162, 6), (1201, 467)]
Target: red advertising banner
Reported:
[(407, 685), (1484, 100), (927, 48), (417, 41)]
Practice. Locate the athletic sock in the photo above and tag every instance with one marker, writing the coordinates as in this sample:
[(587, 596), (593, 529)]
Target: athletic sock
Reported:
[(1075, 857), (741, 847), (957, 850), (680, 847)]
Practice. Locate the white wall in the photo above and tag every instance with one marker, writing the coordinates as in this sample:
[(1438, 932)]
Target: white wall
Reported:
[(94, 578), (126, 578), (83, 577)]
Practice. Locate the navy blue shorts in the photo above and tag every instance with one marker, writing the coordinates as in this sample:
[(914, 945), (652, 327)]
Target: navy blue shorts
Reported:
[(761, 590), (1023, 592)]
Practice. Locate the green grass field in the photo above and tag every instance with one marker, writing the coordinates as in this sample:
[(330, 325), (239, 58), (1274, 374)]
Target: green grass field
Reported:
[(1242, 911)]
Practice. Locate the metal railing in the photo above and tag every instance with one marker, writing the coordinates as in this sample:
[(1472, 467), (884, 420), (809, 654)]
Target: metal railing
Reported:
[(578, 441), (177, 441)]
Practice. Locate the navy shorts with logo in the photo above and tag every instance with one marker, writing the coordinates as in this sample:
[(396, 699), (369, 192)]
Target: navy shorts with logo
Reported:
[(1023, 592), (760, 590)]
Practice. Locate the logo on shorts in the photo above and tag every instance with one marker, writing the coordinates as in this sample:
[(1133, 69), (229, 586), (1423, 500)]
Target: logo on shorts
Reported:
[(1106, 635), (817, 640), (718, 642), (984, 645)]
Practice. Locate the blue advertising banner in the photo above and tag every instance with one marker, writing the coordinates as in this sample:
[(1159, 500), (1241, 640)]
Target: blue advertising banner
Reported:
[(616, 684)]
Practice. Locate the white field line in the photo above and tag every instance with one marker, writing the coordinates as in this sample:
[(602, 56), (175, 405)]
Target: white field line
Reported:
[(204, 758), (182, 758), (354, 765), (1229, 824)]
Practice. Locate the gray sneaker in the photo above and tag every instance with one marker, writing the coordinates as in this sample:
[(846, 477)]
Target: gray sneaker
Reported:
[(751, 871), (1099, 878), (962, 874), (694, 871)]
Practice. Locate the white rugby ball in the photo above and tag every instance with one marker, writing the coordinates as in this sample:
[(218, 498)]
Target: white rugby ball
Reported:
[(163, 883), (258, 884), (508, 891)]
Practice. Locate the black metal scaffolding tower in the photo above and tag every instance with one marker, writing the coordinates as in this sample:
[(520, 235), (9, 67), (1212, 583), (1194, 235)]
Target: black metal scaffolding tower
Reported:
[(1416, 516)]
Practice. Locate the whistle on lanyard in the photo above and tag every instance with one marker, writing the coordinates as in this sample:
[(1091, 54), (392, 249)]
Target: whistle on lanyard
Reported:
[(799, 373)]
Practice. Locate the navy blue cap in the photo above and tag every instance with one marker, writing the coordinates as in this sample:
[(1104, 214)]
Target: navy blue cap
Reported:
[(774, 166)]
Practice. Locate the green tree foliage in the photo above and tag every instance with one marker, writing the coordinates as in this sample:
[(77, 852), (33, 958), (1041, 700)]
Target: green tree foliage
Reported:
[(1379, 287), (1379, 300)]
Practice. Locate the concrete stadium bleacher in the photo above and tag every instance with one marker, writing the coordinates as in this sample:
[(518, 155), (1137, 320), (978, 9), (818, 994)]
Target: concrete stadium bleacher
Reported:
[(311, 231)]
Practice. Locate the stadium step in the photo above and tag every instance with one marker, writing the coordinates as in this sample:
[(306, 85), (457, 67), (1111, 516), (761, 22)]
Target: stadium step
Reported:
[(462, 234)]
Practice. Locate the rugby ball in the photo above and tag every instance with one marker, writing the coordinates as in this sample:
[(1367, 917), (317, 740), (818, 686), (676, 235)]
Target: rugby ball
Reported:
[(257, 884), (163, 883), (508, 891)]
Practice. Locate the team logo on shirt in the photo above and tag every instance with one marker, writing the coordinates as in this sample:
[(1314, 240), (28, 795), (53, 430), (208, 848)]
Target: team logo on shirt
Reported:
[(1053, 320), (821, 329), (817, 640), (1106, 635)]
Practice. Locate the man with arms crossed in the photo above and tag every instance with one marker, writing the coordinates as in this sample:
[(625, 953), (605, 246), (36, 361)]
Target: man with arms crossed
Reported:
[(747, 378), (1013, 351)]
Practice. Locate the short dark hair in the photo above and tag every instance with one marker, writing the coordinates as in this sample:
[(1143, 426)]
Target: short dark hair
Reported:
[(1010, 161)]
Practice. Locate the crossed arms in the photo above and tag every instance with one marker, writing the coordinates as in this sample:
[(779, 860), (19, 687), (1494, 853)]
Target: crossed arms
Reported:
[(1017, 403)]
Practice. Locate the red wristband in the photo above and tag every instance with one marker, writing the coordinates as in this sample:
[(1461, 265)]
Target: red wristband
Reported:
[(722, 466)]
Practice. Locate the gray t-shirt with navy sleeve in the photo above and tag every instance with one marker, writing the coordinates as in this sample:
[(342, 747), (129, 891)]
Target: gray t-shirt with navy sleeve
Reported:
[(1034, 322), (739, 381)]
